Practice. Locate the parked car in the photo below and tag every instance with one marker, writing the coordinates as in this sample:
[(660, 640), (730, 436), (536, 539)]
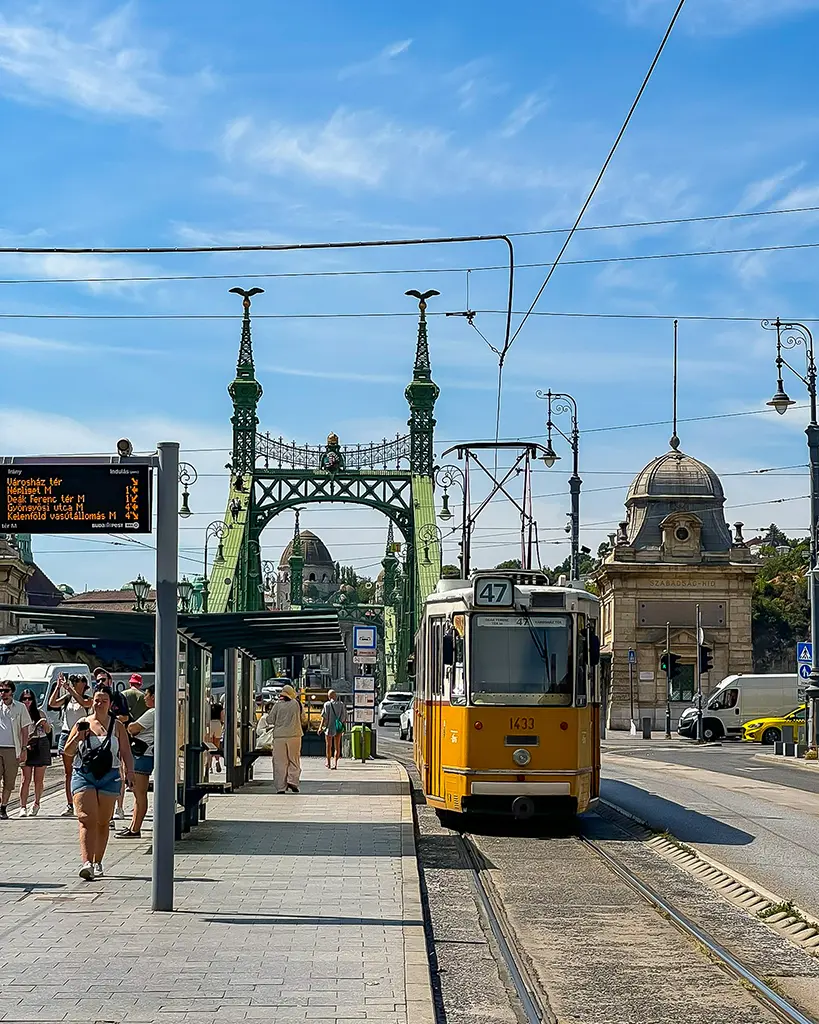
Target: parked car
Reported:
[(406, 722), (769, 730), (394, 704), (739, 699)]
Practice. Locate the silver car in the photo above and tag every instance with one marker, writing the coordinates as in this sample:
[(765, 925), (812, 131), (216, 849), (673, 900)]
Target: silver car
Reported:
[(406, 723)]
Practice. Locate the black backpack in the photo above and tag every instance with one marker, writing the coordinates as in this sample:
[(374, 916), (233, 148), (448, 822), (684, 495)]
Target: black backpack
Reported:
[(98, 761)]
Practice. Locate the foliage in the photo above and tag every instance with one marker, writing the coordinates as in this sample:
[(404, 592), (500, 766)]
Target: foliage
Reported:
[(780, 605), (450, 572)]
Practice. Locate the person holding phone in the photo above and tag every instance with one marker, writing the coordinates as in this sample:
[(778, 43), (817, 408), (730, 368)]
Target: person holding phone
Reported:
[(71, 696), (38, 755), (102, 758)]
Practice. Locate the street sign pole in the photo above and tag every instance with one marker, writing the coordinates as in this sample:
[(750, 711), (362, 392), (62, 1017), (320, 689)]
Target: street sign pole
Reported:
[(699, 675), (668, 681), (631, 654), (167, 550)]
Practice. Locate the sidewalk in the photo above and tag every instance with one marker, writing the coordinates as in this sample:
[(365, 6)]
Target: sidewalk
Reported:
[(289, 908)]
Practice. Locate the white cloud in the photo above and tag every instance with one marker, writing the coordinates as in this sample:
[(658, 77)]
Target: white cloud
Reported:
[(96, 67), (715, 17), (763, 191), (382, 64), (366, 149), (527, 110), (94, 273), (30, 346)]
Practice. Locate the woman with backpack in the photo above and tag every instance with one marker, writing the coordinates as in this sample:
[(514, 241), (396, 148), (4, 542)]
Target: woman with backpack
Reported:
[(333, 723), (38, 755), (102, 756)]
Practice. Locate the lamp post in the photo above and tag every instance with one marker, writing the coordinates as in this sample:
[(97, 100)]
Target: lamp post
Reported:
[(184, 589), (790, 334), (141, 588), (446, 477), (215, 529), (187, 477), (559, 402), (428, 534)]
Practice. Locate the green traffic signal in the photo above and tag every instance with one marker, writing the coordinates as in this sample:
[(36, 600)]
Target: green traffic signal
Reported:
[(670, 664)]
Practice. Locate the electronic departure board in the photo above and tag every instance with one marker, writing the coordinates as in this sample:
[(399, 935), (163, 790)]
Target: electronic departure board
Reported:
[(75, 498)]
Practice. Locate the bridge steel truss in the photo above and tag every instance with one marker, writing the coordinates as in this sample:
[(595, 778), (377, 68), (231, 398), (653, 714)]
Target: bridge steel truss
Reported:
[(270, 476)]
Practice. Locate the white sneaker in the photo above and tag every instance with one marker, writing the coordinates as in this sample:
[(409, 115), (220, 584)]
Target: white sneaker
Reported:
[(35, 810), (22, 813), (87, 871), (98, 872), (119, 812), (68, 812)]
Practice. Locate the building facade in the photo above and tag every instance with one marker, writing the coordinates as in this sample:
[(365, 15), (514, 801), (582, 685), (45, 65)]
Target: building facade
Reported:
[(672, 552)]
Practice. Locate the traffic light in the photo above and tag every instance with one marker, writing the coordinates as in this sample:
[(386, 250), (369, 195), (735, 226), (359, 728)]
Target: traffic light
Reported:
[(706, 659), (670, 664)]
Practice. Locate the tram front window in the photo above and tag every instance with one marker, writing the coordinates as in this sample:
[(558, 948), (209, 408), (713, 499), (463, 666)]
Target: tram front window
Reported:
[(521, 659)]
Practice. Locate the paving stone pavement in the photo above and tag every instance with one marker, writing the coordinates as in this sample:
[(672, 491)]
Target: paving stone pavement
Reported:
[(288, 908)]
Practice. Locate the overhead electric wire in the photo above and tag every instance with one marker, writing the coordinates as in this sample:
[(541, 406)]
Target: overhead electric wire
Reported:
[(148, 278), (605, 166)]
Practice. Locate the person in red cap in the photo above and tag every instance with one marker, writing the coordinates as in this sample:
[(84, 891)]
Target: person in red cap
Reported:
[(135, 698)]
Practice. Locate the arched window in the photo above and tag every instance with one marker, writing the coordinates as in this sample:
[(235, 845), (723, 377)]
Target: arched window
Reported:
[(312, 577), (324, 577)]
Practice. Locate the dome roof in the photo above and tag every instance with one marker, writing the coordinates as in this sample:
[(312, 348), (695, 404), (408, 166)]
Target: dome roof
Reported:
[(313, 549), (673, 476), (676, 482)]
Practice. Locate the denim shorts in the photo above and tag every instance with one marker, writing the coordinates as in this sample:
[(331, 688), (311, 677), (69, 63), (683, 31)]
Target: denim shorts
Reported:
[(143, 765), (109, 783), (62, 739)]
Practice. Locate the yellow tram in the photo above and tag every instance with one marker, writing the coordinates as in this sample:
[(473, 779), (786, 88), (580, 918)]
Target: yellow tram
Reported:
[(507, 704)]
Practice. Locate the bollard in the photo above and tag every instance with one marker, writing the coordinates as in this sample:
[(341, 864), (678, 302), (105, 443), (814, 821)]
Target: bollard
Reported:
[(787, 734), (646, 728)]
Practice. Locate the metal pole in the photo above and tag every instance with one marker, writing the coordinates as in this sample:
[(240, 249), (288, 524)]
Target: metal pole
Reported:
[(631, 684), (167, 550), (231, 706), (813, 449), (699, 675), (668, 681), (205, 578), (574, 488)]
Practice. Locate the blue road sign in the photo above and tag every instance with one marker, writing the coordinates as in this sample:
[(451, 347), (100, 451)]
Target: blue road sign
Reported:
[(632, 656), (364, 638), (804, 671), (804, 652)]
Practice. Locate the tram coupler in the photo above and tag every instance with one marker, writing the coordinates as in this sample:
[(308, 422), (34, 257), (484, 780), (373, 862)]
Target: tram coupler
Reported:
[(523, 807)]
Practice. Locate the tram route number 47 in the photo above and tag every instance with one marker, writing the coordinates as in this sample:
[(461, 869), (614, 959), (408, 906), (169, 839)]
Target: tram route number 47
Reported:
[(493, 592)]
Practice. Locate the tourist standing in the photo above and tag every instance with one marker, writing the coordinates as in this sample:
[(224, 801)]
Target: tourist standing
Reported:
[(70, 695), (119, 706), (14, 729), (217, 725), (38, 755), (141, 733), (333, 723), (102, 757), (284, 719), (134, 697)]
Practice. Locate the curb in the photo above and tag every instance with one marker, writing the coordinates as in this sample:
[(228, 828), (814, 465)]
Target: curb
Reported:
[(789, 762), (781, 916), (417, 981)]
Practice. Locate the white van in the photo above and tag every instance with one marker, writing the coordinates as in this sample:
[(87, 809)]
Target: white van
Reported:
[(742, 698), (42, 678)]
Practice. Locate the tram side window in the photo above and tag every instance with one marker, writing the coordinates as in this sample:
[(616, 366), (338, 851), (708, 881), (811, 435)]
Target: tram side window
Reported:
[(436, 660), (582, 667)]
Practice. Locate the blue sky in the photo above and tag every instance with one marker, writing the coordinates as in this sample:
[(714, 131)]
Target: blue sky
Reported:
[(179, 124)]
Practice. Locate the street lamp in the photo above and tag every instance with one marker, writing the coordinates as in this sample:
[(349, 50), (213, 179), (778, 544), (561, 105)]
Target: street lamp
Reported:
[(429, 533), (559, 402), (141, 588), (187, 477), (215, 529), (446, 477), (789, 335), (184, 589)]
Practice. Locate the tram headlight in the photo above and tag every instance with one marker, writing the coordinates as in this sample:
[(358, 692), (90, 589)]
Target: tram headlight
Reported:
[(521, 757)]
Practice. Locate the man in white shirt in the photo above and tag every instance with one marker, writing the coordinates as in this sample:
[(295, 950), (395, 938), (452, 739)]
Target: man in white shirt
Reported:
[(15, 723)]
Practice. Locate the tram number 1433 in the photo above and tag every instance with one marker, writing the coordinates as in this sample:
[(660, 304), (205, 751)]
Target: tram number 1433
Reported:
[(521, 723)]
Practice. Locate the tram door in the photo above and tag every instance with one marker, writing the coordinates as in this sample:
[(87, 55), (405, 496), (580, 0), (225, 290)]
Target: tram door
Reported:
[(433, 694)]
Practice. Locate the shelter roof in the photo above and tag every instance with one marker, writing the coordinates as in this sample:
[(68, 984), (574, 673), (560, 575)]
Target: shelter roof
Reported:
[(268, 634)]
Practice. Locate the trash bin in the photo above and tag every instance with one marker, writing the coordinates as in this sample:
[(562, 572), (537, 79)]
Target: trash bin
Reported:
[(361, 742)]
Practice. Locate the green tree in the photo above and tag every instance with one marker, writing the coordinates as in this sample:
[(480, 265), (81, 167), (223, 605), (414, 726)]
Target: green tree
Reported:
[(510, 563), (780, 607), (450, 572)]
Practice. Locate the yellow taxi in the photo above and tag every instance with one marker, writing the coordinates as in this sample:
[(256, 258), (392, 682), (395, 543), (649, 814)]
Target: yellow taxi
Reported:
[(769, 730)]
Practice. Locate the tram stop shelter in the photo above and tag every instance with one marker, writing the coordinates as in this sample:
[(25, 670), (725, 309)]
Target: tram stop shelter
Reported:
[(245, 638)]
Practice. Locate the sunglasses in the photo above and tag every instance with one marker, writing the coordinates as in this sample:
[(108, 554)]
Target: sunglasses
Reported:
[(24, 698), (5, 689)]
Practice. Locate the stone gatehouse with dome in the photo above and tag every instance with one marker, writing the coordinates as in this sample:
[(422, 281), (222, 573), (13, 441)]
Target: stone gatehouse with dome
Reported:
[(673, 551)]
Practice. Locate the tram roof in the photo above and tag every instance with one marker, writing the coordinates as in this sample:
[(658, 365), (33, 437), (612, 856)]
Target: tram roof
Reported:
[(267, 634)]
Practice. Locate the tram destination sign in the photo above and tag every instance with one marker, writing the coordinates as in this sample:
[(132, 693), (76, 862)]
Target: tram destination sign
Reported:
[(75, 498)]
